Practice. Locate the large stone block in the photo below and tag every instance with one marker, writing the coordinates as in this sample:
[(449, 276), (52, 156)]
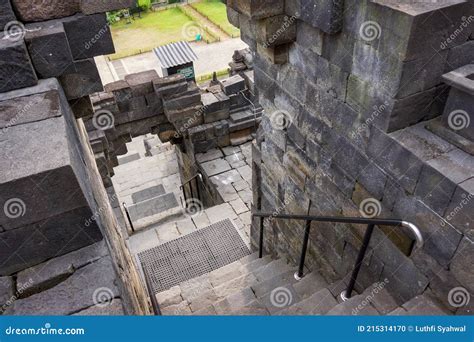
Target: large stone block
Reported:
[(82, 80), (324, 14), (16, 70), (57, 235), (76, 293), (6, 13), (419, 28), (7, 291), (460, 212), (30, 104), (41, 10), (88, 36), (94, 6), (276, 30), (141, 83), (258, 9), (49, 49), (461, 265)]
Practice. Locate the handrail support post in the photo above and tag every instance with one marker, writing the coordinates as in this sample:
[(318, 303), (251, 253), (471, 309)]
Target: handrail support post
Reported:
[(260, 242), (345, 295), (299, 275)]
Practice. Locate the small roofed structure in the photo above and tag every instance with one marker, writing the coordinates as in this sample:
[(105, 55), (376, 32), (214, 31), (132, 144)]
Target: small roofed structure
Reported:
[(177, 58)]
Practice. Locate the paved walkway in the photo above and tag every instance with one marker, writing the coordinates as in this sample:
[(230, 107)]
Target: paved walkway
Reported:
[(212, 57)]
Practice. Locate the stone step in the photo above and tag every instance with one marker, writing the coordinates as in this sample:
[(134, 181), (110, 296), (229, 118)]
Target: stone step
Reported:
[(235, 302), (318, 304), (148, 193), (243, 116), (423, 305), (273, 269), (249, 122), (357, 305), (310, 284), (264, 287), (238, 108), (154, 210)]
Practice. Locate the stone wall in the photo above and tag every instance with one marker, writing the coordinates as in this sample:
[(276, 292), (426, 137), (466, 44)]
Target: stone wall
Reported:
[(343, 85), (53, 199)]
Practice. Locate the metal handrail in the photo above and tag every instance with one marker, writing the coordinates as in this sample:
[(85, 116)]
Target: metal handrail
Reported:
[(371, 222), (128, 216), (188, 182)]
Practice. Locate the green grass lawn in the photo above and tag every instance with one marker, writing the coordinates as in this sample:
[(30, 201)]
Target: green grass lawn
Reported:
[(215, 10), (153, 29)]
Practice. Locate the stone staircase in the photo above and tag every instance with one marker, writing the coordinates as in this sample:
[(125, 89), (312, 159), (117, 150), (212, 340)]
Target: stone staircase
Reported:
[(253, 286)]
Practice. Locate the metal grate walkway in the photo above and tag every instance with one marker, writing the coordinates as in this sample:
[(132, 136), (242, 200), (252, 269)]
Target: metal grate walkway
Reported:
[(192, 255)]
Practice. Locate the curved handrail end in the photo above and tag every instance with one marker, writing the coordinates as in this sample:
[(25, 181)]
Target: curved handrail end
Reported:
[(416, 231)]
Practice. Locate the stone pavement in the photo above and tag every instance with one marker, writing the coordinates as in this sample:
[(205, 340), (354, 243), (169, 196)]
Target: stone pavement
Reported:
[(229, 172), (82, 282), (211, 57)]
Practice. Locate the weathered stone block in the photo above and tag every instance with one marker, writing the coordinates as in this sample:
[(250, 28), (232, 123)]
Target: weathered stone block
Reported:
[(82, 107), (276, 30), (141, 83), (276, 55), (30, 104), (233, 85), (16, 70), (461, 264), (120, 89), (94, 6), (88, 36), (395, 160), (82, 80), (57, 235), (258, 9), (49, 49), (6, 13), (233, 16), (74, 294), (324, 14), (7, 291), (460, 212), (182, 102), (41, 10)]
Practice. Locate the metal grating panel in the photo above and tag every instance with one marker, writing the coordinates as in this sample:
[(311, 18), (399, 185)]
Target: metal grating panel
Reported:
[(192, 255)]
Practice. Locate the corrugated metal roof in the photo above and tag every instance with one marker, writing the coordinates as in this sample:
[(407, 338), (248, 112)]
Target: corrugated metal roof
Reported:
[(175, 54)]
